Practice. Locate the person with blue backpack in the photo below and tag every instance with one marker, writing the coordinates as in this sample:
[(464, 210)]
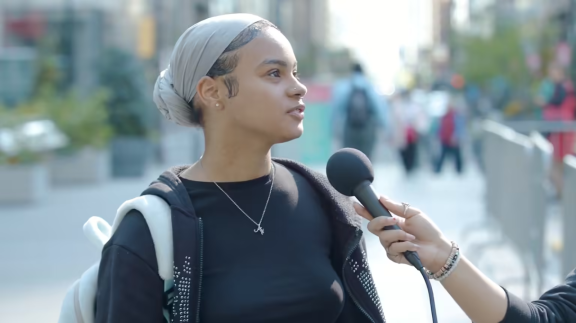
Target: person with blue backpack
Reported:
[(359, 112)]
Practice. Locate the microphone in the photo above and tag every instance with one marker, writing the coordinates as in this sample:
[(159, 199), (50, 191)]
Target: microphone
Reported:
[(350, 172)]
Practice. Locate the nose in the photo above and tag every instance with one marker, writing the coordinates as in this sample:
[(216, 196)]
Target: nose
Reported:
[(299, 90)]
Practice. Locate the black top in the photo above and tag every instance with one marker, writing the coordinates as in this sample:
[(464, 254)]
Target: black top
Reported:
[(284, 275), (130, 289), (556, 305)]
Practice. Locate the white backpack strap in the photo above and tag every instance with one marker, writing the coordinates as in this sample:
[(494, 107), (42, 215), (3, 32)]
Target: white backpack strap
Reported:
[(159, 219), (98, 231)]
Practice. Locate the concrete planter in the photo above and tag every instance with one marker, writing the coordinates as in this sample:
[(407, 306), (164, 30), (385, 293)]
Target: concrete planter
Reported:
[(87, 166), (130, 156), (20, 184)]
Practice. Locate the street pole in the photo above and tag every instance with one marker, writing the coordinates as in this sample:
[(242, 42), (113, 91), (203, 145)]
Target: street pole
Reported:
[(572, 39), (68, 43)]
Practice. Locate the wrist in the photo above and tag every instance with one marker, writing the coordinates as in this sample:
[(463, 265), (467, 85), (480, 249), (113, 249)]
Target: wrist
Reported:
[(442, 253)]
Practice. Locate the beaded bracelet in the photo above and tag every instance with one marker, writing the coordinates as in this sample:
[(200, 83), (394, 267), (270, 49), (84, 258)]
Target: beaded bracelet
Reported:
[(449, 266)]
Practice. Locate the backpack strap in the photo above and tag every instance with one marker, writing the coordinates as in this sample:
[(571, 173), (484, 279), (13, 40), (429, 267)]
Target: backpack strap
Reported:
[(158, 216), (78, 305), (98, 231)]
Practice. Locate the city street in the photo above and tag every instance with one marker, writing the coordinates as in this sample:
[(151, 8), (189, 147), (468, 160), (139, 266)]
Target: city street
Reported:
[(102, 88), (43, 250)]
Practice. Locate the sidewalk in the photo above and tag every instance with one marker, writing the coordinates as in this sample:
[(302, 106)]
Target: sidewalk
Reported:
[(43, 250), (453, 203)]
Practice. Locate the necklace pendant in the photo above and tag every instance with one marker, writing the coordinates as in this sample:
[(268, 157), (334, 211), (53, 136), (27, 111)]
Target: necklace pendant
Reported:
[(259, 229)]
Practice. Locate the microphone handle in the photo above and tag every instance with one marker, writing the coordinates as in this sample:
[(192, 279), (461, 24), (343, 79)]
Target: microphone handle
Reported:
[(366, 194)]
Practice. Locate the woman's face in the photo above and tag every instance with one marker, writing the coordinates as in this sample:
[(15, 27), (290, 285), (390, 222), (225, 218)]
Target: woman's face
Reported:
[(269, 101)]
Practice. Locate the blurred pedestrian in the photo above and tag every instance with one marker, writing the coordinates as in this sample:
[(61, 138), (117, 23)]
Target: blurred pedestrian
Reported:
[(358, 113), (406, 116), (559, 105), (451, 134)]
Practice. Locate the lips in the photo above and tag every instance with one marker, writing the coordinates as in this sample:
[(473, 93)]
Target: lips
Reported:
[(299, 109), (297, 112)]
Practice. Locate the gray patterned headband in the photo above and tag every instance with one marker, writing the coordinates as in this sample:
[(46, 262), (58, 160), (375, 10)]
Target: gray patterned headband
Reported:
[(194, 54)]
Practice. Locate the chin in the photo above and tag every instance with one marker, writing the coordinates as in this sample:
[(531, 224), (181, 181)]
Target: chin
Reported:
[(291, 134)]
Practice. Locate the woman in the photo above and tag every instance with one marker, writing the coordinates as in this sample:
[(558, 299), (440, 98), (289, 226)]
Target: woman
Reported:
[(451, 134), (560, 106), (255, 239), (480, 298), (406, 115)]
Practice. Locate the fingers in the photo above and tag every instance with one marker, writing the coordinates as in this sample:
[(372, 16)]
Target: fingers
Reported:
[(362, 211), (389, 237), (377, 225), (396, 249), (398, 208)]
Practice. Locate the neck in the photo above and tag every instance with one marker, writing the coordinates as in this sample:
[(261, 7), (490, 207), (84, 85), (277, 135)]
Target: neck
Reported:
[(234, 159)]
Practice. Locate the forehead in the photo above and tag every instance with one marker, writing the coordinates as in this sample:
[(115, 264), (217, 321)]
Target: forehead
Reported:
[(271, 44)]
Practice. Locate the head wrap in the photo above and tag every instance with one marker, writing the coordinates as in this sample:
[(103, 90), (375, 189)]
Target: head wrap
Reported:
[(194, 54)]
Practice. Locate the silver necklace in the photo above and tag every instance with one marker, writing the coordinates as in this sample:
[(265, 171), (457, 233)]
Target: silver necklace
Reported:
[(259, 227)]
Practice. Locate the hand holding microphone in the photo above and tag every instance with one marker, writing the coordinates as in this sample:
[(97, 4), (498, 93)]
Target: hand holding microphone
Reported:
[(412, 238), (416, 233), (405, 238), (351, 173)]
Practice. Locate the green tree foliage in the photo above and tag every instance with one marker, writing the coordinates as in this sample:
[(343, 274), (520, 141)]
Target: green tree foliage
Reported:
[(83, 120), (484, 58), (129, 102)]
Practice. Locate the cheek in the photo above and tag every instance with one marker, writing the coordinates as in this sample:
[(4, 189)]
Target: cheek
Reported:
[(261, 103)]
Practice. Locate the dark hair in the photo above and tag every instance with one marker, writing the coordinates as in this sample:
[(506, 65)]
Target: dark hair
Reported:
[(228, 61), (357, 68)]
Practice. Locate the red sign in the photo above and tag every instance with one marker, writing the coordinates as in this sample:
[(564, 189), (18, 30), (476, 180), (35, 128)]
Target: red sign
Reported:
[(30, 26), (318, 93)]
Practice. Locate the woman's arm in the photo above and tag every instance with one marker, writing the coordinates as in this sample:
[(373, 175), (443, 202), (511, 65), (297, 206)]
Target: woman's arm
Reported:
[(479, 297), (129, 287), (484, 301)]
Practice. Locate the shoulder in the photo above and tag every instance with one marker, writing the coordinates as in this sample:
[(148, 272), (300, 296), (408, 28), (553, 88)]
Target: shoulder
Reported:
[(133, 235), (313, 176), (340, 206), (293, 180)]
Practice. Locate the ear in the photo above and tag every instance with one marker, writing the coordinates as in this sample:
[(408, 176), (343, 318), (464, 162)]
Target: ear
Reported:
[(208, 92)]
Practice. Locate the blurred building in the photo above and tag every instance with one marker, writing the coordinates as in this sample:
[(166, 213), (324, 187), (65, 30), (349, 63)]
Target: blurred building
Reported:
[(430, 54), (76, 31), (304, 22)]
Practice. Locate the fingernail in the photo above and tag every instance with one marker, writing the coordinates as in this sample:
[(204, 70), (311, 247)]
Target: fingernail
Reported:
[(416, 247), (411, 237)]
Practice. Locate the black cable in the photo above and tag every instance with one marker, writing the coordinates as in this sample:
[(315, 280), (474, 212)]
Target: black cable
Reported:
[(413, 258), (430, 294)]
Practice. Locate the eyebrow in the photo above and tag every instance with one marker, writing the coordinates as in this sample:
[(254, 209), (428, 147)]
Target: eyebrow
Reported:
[(276, 62)]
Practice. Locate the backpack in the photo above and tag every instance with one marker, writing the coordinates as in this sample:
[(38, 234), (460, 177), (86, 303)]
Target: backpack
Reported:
[(80, 300), (359, 110)]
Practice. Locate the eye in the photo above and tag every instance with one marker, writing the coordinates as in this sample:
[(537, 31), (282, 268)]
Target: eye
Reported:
[(296, 75), (274, 73)]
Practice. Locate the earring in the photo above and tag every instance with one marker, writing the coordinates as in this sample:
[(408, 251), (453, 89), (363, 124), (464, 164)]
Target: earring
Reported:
[(217, 104)]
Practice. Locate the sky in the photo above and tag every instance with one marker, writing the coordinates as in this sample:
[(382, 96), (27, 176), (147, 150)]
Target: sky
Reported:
[(375, 30)]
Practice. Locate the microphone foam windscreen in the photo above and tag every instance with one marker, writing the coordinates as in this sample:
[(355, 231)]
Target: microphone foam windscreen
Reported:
[(347, 168)]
